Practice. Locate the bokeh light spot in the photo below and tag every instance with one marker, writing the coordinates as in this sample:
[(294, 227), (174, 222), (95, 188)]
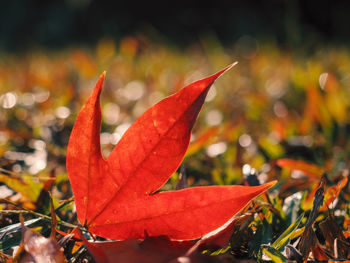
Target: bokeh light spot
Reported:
[(322, 80), (8, 100), (213, 117), (62, 112), (133, 90), (211, 93), (245, 140), (111, 113), (216, 149), (121, 129)]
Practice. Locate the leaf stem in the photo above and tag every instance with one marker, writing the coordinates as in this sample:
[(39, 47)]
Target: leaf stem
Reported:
[(28, 211)]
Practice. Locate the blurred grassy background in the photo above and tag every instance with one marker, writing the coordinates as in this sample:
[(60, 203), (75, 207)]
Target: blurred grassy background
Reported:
[(286, 98)]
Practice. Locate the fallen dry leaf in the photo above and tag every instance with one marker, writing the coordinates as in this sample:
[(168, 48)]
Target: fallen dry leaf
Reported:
[(39, 248), (309, 169), (335, 238), (152, 249), (308, 239)]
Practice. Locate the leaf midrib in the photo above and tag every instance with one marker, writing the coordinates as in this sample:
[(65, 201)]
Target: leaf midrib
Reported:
[(147, 156), (89, 167), (179, 211)]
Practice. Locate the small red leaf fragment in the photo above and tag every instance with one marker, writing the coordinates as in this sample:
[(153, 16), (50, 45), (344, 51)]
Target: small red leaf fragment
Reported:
[(319, 254), (333, 192), (311, 170)]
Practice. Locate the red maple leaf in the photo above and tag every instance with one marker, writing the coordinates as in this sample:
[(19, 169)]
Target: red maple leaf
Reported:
[(115, 198)]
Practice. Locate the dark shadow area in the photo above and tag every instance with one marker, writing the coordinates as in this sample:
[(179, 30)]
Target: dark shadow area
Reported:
[(24, 24)]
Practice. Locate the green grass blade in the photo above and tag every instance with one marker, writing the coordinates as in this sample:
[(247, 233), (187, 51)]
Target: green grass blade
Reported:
[(285, 236), (274, 254)]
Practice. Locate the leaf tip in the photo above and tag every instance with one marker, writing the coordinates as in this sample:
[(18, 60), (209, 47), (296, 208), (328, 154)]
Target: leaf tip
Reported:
[(221, 72), (101, 78), (99, 83), (271, 184), (230, 66)]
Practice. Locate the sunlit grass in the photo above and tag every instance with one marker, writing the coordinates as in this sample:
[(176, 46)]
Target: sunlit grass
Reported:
[(274, 104)]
